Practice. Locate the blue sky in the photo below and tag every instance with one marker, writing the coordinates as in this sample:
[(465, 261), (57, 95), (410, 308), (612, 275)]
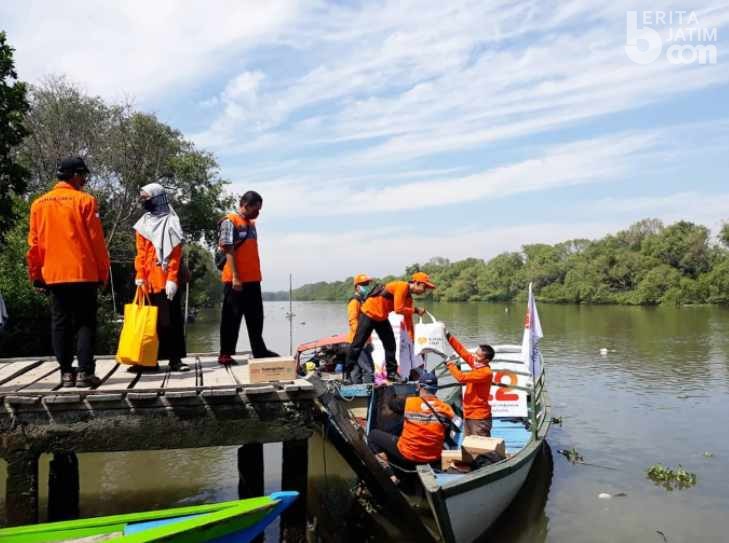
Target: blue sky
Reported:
[(385, 133)]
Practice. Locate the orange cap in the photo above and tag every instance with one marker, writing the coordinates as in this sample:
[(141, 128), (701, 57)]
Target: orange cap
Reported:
[(422, 277), (361, 278)]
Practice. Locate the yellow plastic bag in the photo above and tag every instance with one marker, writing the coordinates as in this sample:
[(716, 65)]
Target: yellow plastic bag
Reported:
[(138, 343)]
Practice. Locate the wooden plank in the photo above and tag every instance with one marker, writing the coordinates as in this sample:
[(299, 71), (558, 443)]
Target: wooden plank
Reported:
[(241, 373), (252, 390), (143, 396), (12, 370), (27, 378), (62, 399), (116, 378), (104, 397), (24, 400), (182, 379), (213, 374), (149, 381), (219, 393), (49, 382)]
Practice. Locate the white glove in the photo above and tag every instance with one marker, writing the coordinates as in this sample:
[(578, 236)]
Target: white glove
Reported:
[(170, 289), (139, 282)]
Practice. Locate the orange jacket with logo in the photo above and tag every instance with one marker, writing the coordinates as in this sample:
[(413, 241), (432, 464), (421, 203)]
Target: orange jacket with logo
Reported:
[(66, 240), (247, 261), (423, 434), (477, 381), (395, 297), (147, 268)]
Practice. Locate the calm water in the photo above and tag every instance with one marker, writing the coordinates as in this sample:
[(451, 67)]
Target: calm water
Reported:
[(660, 395)]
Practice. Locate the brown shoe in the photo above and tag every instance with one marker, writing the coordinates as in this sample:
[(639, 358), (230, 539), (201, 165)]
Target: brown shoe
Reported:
[(87, 380), (68, 379)]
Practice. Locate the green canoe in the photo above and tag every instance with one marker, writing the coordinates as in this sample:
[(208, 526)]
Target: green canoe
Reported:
[(235, 521)]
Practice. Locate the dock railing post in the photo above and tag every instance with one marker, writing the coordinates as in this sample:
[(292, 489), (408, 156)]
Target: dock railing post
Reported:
[(294, 476), (21, 492), (63, 487)]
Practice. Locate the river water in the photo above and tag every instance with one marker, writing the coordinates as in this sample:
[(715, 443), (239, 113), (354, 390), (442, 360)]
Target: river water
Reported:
[(660, 395)]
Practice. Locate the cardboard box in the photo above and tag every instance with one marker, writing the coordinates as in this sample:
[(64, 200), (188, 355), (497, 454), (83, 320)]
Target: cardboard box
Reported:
[(472, 446), (265, 370), (449, 457)]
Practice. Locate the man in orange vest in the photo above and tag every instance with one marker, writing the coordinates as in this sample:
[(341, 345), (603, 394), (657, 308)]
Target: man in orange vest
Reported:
[(395, 296), (476, 408), (67, 258), (362, 372), (241, 278), (426, 421)]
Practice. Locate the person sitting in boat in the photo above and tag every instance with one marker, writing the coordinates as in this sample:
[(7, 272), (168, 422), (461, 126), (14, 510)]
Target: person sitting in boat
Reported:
[(395, 296), (362, 372), (426, 421), (476, 408), (159, 241)]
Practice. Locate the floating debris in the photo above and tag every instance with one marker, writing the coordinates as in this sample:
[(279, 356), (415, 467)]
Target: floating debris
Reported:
[(603, 351), (671, 479), (556, 420), (662, 535), (607, 496), (708, 454), (572, 455)]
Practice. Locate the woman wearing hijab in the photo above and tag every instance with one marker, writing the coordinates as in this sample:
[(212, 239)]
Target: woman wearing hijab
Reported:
[(159, 240)]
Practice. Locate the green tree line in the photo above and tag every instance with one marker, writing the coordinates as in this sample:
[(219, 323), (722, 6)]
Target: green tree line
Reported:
[(125, 149), (646, 264)]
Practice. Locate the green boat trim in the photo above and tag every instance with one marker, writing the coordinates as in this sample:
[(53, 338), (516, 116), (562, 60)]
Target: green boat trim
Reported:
[(203, 522)]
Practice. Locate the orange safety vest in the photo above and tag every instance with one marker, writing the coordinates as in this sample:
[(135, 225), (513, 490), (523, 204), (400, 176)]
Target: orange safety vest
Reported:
[(66, 239), (247, 261), (147, 267), (394, 296), (423, 434)]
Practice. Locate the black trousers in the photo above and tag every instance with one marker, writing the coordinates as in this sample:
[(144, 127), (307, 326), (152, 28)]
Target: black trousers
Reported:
[(379, 441), (170, 326), (237, 304), (363, 370), (365, 326), (73, 314)]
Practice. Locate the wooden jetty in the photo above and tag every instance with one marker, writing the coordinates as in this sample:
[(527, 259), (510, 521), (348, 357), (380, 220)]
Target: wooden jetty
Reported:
[(209, 406)]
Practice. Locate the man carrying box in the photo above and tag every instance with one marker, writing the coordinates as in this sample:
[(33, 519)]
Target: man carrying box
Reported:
[(476, 408)]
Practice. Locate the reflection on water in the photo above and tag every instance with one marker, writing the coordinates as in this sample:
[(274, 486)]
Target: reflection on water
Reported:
[(661, 394)]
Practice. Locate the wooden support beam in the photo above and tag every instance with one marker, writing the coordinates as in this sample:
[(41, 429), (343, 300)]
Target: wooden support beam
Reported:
[(21, 492), (63, 487), (251, 473), (294, 476)]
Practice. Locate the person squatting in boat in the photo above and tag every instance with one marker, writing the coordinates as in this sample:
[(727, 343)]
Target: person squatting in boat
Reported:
[(426, 422)]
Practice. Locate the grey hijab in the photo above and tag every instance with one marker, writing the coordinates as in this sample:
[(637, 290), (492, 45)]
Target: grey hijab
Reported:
[(161, 226)]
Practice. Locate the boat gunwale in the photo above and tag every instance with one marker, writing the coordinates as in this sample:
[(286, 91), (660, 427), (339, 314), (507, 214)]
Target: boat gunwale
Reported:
[(143, 516)]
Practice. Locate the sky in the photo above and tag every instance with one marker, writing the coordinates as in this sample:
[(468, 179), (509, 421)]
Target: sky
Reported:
[(381, 134)]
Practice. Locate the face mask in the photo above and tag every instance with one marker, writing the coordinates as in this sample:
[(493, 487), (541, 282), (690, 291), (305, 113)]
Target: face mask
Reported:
[(362, 290), (157, 204)]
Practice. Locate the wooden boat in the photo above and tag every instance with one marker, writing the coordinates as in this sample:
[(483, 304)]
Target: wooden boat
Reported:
[(226, 522), (460, 506)]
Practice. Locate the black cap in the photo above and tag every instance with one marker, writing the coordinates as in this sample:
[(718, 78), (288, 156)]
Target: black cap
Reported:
[(72, 165), (429, 381)]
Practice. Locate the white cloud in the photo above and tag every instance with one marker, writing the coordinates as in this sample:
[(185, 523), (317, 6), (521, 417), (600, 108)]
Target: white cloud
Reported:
[(136, 47), (585, 161)]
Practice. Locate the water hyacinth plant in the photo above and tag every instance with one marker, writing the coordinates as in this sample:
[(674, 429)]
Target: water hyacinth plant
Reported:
[(671, 479)]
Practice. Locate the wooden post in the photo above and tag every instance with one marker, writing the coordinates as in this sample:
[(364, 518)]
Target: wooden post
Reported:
[(294, 476), (251, 473), (21, 492), (63, 487)]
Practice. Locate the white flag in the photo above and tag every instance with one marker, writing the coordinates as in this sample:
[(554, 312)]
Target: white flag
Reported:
[(532, 335)]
